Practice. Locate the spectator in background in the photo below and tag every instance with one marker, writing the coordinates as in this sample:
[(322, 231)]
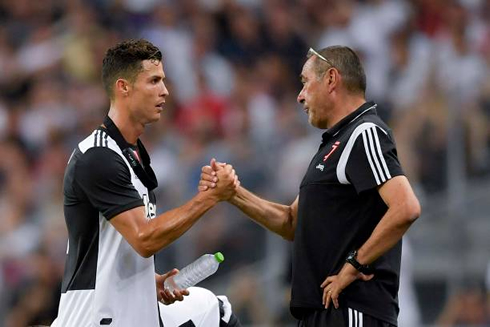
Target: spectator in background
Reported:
[(454, 48), (466, 307), (410, 315), (409, 74)]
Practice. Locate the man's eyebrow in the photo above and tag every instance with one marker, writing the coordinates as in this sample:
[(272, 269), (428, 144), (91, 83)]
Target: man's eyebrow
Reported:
[(155, 77)]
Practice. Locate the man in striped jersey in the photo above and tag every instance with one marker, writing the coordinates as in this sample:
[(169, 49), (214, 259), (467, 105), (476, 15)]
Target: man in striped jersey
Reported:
[(110, 209), (354, 203)]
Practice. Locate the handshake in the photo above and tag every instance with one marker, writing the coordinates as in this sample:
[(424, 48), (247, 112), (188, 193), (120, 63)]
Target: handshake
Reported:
[(220, 180)]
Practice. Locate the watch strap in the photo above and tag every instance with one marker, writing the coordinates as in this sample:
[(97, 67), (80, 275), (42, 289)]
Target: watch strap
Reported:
[(352, 259)]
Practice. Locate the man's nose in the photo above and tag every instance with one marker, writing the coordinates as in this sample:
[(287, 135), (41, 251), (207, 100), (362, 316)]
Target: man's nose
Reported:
[(165, 91), (300, 98)]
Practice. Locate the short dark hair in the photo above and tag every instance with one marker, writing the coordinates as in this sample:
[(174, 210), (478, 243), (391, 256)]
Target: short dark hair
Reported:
[(346, 61), (124, 60)]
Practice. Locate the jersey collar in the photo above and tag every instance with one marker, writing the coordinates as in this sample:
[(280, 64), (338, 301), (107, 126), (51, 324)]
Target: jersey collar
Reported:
[(363, 109)]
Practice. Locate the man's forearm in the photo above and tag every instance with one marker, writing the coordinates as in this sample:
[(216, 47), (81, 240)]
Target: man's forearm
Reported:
[(170, 225), (276, 217), (389, 231), (403, 210)]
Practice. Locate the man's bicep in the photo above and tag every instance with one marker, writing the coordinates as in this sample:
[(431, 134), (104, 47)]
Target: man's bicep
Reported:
[(294, 216), (105, 180), (130, 224), (294, 211), (397, 191)]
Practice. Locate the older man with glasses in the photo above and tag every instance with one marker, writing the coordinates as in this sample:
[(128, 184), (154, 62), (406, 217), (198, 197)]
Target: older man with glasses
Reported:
[(353, 207)]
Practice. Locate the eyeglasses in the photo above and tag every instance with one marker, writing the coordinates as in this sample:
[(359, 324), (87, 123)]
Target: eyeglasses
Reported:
[(312, 51)]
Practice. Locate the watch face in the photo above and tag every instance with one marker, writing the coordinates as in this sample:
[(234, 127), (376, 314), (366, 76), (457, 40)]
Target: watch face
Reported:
[(352, 255), (351, 258)]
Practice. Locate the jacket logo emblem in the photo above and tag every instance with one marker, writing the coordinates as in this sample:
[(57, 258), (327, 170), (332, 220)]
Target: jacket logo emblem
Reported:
[(320, 167), (334, 147)]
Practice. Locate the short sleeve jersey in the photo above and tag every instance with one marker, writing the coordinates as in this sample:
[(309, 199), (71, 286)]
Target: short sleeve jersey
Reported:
[(106, 282), (339, 207)]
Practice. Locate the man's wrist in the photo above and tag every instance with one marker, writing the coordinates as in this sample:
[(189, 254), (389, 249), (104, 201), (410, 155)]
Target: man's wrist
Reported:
[(234, 200), (352, 259), (208, 198)]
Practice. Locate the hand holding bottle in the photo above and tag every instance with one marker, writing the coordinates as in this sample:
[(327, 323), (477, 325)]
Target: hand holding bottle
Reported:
[(166, 296)]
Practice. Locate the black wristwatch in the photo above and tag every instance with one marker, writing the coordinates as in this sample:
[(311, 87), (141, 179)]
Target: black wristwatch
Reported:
[(352, 259)]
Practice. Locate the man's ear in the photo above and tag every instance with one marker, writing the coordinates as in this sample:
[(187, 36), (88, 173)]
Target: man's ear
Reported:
[(122, 87), (331, 79)]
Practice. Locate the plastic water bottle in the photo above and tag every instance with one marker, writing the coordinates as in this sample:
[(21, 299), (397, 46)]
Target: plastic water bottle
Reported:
[(195, 272)]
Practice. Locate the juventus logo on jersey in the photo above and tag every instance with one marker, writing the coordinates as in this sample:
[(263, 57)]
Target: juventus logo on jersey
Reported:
[(334, 147)]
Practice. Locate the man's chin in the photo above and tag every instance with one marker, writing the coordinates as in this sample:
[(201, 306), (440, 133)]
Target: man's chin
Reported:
[(155, 118), (316, 123), (151, 120), (312, 121)]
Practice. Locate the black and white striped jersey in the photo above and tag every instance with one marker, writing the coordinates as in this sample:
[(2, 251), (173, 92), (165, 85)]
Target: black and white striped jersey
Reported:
[(106, 282), (339, 207)]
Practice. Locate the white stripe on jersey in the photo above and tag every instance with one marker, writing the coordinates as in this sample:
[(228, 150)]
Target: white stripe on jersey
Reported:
[(374, 154), (100, 138), (380, 153), (370, 159), (97, 138), (344, 157), (356, 318)]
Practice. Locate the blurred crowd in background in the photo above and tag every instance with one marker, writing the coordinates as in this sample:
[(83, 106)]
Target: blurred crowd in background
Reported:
[(232, 70)]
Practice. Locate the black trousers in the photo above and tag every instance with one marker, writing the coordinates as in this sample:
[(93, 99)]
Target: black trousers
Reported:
[(341, 317)]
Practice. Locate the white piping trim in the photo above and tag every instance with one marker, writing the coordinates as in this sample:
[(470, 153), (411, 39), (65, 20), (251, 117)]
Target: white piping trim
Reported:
[(344, 157)]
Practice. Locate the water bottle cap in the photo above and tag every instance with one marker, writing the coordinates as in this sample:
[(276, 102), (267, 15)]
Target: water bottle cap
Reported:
[(219, 257)]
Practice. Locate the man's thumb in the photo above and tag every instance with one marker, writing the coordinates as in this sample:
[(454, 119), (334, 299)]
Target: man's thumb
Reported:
[(214, 164)]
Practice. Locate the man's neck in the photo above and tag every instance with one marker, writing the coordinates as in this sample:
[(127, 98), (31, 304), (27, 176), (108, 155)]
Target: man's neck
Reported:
[(347, 105), (129, 129)]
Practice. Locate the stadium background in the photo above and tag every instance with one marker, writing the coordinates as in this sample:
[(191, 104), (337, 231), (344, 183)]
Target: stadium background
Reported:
[(232, 69)]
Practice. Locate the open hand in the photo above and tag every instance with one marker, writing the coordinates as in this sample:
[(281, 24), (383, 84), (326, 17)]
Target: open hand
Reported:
[(335, 284)]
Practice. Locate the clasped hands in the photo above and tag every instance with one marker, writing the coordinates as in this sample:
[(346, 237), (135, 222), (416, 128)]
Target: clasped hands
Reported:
[(219, 178), (222, 182)]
